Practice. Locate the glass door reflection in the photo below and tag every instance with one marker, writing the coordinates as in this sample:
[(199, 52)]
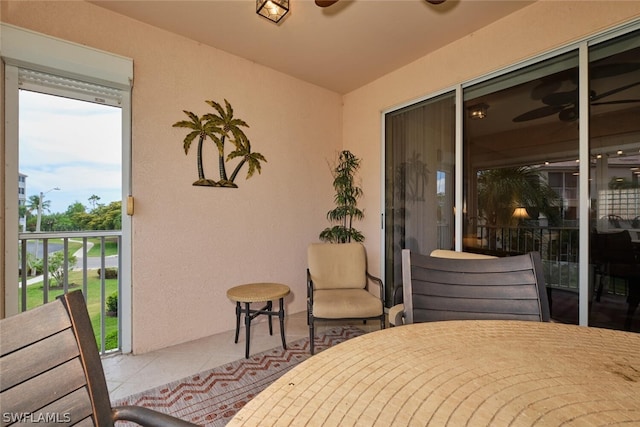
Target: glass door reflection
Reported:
[(614, 128)]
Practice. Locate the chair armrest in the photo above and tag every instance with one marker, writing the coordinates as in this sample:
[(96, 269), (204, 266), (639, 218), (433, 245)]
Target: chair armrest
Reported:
[(396, 315), (378, 282), (309, 287), (147, 417)]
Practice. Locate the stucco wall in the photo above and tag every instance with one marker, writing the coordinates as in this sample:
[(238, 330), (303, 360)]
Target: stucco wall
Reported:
[(532, 31), (190, 244)]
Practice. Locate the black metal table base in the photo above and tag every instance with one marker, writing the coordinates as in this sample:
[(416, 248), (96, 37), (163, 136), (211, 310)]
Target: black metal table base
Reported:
[(250, 314)]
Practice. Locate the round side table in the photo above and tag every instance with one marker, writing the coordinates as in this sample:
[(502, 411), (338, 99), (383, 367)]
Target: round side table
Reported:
[(258, 292)]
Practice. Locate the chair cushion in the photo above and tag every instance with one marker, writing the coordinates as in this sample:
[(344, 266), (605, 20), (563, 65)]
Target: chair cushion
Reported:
[(337, 265), (445, 253), (345, 303)]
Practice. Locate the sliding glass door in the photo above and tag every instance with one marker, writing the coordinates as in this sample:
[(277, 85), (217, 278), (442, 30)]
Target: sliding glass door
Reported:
[(521, 171), (550, 163), (419, 181), (614, 150)]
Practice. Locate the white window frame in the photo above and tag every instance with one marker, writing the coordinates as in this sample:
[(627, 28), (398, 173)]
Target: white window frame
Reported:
[(25, 49)]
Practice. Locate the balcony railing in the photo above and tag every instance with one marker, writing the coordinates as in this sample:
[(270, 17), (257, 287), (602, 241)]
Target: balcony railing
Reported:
[(55, 271), (558, 247)]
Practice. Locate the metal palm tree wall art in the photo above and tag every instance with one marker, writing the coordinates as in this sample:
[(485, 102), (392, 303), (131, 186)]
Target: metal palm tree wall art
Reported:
[(220, 127)]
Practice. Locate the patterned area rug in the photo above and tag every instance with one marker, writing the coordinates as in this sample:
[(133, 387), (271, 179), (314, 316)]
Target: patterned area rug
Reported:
[(213, 397)]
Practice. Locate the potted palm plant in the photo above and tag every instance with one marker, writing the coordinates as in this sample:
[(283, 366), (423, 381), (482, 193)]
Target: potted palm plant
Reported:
[(346, 199)]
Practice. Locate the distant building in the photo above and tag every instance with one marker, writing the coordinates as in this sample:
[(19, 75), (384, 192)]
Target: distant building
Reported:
[(22, 200), (615, 189)]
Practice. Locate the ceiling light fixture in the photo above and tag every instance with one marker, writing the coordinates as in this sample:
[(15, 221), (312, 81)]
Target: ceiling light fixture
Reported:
[(273, 10), (478, 111)]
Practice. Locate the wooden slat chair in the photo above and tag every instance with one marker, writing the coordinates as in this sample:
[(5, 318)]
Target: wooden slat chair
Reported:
[(51, 373), (338, 286), (510, 288)]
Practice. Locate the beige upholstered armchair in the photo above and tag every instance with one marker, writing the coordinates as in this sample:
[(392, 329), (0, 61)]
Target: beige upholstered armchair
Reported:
[(339, 286)]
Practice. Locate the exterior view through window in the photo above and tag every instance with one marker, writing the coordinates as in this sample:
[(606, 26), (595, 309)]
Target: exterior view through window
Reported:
[(70, 179)]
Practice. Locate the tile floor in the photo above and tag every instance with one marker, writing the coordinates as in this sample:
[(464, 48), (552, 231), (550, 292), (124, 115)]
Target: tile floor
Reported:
[(128, 374)]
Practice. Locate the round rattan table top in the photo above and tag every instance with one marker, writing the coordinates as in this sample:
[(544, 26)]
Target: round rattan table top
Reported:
[(258, 292), (459, 373)]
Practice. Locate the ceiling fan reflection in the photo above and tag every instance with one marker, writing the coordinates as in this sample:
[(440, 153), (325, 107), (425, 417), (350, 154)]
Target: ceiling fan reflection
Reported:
[(565, 104)]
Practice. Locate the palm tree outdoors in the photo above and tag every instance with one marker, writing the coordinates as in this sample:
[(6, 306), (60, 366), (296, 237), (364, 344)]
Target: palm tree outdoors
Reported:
[(501, 191), (94, 199), (34, 201), (32, 204)]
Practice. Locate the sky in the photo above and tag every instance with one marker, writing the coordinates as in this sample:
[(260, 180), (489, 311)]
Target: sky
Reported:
[(70, 144)]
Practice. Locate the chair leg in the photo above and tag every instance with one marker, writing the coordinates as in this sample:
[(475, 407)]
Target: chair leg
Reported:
[(281, 317), (247, 325), (311, 336), (238, 310)]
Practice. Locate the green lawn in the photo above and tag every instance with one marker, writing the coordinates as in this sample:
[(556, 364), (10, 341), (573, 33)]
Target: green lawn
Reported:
[(35, 298), (110, 246)]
